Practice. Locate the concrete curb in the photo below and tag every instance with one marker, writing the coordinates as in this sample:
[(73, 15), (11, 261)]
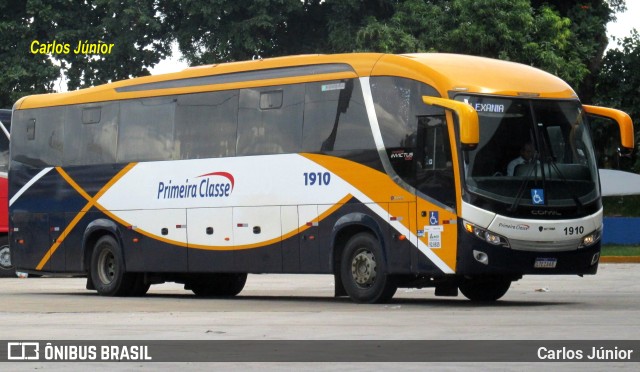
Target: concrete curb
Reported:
[(620, 259)]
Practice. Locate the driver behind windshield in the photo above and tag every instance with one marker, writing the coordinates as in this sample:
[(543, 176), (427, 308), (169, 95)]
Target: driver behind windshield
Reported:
[(526, 154)]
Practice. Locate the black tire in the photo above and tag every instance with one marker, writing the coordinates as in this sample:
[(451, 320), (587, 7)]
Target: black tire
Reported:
[(7, 268), (107, 269), (484, 289), (363, 271), (217, 285), (139, 287)]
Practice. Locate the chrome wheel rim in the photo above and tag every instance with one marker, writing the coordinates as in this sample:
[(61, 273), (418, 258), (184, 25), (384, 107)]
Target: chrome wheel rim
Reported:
[(363, 268), (5, 257), (107, 267)]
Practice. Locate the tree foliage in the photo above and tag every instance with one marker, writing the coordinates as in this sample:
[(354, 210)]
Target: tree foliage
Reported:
[(618, 85), (138, 34), (133, 26), (220, 30), (19, 76), (619, 78), (566, 38), (510, 30), (588, 40)]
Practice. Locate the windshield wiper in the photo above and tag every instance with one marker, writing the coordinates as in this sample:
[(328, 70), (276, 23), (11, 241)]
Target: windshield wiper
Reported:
[(548, 158), (552, 162), (533, 170), (534, 166), (575, 198)]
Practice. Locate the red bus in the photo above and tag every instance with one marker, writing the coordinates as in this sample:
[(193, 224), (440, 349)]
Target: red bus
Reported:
[(6, 267)]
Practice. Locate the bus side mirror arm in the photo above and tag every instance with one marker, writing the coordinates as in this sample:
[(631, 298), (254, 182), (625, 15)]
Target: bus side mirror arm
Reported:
[(622, 118), (467, 116)]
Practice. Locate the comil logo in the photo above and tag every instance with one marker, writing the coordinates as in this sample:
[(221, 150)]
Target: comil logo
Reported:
[(210, 185)]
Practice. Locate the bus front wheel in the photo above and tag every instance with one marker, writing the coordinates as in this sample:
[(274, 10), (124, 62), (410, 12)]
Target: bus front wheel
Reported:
[(363, 271), (107, 269), (484, 289)]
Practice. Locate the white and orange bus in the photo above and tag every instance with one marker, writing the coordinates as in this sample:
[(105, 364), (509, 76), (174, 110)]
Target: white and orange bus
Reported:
[(383, 170)]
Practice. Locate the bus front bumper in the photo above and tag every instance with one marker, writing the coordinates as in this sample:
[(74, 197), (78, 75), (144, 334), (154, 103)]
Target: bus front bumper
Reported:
[(476, 257)]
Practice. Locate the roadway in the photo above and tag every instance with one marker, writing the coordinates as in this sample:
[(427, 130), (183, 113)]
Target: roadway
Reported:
[(301, 307)]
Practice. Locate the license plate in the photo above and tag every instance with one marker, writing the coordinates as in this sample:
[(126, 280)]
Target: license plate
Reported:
[(545, 263)]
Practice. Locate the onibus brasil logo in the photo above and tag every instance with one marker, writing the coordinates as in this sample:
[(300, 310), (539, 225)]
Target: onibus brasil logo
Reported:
[(210, 185)]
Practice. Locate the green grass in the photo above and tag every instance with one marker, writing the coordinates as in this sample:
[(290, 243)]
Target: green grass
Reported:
[(620, 250)]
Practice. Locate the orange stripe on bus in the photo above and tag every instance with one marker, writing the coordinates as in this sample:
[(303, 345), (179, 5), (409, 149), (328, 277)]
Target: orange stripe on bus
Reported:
[(91, 203), (291, 233)]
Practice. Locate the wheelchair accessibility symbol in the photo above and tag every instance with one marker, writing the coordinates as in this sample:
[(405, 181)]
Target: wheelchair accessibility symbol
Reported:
[(433, 218), (537, 196)]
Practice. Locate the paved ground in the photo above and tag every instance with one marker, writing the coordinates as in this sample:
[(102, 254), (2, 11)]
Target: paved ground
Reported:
[(299, 307)]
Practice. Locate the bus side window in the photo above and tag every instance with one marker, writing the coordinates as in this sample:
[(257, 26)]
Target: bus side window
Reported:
[(605, 134), (335, 118), (434, 168), (435, 147), (37, 144), (206, 124), (270, 120), (90, 133), (146, 131)]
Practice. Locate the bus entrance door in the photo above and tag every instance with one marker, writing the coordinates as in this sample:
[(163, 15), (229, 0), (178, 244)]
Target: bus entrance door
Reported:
[(437, 234), (435, 189)]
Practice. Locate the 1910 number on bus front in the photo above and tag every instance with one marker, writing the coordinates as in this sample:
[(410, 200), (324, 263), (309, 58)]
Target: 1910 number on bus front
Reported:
[(317, 178), (578, 230)]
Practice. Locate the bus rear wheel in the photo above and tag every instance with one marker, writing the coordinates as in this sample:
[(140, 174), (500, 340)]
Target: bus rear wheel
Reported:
[(484, 289), (363, 271), (6, 264), (217, 285), (107, 269), (139, 287)]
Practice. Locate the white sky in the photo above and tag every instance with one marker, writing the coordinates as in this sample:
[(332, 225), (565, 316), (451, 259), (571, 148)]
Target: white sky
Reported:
[(625, 22), (173, 64)]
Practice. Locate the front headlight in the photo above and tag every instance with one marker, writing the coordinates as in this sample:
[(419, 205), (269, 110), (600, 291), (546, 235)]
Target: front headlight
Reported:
[(486, 235), (493, 238), (590, 239)]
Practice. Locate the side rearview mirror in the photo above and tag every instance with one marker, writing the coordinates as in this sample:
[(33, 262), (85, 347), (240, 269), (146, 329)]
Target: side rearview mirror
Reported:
[(467, 115), (622, 118)]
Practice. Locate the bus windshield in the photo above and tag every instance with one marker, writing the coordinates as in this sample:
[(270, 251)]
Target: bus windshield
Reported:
[(531, 153)]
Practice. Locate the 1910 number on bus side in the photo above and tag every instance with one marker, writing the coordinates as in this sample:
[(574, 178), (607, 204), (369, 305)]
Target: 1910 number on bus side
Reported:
[(317, 178)]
